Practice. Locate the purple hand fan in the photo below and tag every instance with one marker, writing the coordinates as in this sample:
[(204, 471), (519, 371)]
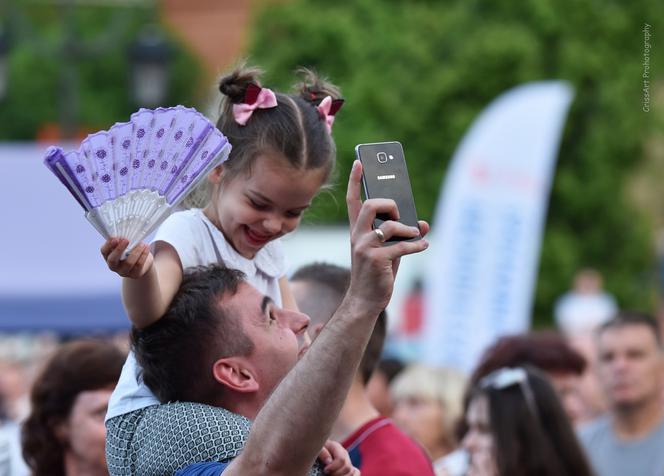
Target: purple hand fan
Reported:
[(130, 178)]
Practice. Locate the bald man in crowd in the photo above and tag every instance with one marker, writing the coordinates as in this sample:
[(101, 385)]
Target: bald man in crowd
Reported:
[(376, 446)]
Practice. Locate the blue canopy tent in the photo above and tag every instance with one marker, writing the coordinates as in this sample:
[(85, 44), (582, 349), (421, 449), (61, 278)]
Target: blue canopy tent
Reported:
[(52, 276), (63, 315)]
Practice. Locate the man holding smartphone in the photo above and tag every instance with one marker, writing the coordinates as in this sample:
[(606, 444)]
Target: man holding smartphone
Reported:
[(293, 409)]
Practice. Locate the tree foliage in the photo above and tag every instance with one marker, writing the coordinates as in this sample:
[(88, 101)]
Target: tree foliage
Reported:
[(421, 71), (38, 64)]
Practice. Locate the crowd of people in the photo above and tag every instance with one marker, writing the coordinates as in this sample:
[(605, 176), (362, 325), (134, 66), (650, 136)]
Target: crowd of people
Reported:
[(235, 368), (517, 413)]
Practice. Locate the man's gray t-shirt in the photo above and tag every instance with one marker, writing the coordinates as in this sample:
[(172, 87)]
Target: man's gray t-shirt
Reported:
[(611, 456)]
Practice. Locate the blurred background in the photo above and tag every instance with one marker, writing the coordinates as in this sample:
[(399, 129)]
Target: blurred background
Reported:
[(417, 71)]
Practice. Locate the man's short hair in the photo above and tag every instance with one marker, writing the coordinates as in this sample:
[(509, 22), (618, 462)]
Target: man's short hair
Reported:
[(390, 367), (547, 351), (632, 318), (334, 281), (177, 352)]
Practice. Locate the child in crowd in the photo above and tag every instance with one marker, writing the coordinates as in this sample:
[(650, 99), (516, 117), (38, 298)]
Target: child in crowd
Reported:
[(282, 154)]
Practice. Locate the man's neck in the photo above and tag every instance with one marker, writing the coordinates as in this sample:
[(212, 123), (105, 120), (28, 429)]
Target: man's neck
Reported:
[(634, 422), (247, 405), (357, 411)]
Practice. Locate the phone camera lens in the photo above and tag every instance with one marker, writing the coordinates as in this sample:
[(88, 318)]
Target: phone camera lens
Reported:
[(382, 157)]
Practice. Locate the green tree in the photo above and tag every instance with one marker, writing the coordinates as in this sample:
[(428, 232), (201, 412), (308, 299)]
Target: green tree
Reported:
[(37, 60), (421, 71)]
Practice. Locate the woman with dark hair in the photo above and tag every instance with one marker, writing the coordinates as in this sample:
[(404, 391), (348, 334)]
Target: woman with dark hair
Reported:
[(64, 435), (517, 427), (546, 351)]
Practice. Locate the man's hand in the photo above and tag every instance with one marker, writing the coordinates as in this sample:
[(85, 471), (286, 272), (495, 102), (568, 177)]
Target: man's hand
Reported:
[(374, 266)]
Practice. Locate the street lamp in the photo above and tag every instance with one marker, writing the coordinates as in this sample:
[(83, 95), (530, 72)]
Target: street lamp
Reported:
[(4, 54), (150, 56)]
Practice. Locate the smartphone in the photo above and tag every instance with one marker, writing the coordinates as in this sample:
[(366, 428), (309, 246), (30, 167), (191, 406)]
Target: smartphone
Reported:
[(384, 175)]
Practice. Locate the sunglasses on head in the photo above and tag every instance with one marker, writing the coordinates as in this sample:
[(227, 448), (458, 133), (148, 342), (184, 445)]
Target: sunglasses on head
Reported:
[(507, 377)]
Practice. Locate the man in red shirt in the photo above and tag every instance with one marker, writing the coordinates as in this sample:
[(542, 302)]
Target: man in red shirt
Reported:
[(376, 446)]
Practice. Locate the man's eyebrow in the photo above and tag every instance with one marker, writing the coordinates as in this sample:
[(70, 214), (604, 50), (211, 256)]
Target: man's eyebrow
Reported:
[(267, 300)]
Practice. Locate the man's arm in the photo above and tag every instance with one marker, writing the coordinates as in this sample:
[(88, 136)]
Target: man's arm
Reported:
[(292, 427)]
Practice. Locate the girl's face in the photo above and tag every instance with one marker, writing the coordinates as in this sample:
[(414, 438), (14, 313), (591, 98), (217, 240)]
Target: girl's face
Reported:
[(478, 441), (422, 420), (253, 209)]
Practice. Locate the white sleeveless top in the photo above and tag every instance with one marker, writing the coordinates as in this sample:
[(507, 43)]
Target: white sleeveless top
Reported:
[(192, 234)]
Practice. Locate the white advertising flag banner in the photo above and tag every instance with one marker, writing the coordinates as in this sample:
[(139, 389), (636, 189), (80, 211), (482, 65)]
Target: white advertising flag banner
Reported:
[(488, 224)]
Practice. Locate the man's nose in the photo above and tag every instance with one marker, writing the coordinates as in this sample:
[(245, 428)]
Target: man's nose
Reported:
[(300, 322), (620, 363)]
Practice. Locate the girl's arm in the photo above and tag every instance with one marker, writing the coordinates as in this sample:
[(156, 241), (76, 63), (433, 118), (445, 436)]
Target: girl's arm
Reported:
[(287, 298), (150, 282)]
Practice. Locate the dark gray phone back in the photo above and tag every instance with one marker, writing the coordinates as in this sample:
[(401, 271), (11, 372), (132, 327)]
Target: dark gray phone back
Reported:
[(385, 176)]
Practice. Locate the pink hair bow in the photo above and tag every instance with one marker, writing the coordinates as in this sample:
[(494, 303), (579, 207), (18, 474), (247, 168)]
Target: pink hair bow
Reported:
[(254, 98), (327, 108)]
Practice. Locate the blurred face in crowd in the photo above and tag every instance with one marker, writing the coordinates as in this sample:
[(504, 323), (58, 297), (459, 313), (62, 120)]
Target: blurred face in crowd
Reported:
[(478, 441), (85, 434), (630, 365), (422, 420), (592, 400), (567, 388), (378, 390), (14, 387)]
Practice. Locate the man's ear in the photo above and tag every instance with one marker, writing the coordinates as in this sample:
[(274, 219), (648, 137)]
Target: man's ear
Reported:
[(216, 174), (235, 374)]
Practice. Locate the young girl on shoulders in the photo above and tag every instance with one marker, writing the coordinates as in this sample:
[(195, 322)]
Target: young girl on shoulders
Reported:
[(282, 154)]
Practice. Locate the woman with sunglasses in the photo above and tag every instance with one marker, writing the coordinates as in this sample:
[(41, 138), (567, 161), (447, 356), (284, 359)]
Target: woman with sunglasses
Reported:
[(517, 427)]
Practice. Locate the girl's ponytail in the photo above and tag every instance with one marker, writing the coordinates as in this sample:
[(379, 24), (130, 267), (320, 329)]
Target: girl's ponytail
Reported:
[(234, 85), (314, 88), (294, 126)]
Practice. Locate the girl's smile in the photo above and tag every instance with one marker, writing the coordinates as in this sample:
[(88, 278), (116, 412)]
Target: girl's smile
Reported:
[(256, 238)]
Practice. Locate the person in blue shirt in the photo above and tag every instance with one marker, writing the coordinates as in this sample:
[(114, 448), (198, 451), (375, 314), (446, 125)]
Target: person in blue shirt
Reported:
[(203, 469), (336, 459)]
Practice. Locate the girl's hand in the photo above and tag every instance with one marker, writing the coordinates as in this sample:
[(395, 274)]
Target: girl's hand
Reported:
[(138, 262), (336, 460)]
